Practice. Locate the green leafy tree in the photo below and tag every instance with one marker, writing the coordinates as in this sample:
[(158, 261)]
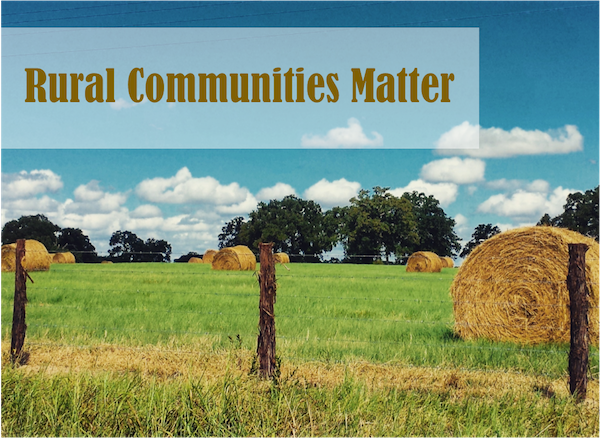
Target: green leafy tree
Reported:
[(186, 258), (481, 233), (128, 247), (156, 250), (435, 228), (37, 227), (580, 214), (73, 240), (378, 225), (231, 235), (294, 225)]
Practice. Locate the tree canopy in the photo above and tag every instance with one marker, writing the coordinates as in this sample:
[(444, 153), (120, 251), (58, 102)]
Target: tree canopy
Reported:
[(128, 247), (73, 240), (580, 214), (434, 227), (294, 225), (378, 224), (37, 227), (481, 233)]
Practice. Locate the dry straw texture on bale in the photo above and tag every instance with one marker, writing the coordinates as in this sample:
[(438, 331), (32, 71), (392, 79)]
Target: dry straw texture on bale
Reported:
[(106, 262), (208, 256), (238, 258), (512, 287), (36, 257), (424, 261), (63, 257), (281, 257), (195, 260), (447, 262)]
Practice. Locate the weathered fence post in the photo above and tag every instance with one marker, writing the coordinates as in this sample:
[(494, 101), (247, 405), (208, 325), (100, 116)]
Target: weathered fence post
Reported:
[(18, 325), (266, 325), (578, 355)]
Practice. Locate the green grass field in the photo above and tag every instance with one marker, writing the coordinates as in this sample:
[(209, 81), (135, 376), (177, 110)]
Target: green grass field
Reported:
[(325, 314)]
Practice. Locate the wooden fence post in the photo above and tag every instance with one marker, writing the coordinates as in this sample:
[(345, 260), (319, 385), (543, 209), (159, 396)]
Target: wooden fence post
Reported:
[(18, 325), (578, 355), (266, 325)]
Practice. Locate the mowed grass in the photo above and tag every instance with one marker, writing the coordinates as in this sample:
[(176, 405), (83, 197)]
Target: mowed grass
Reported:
[(323, 312)]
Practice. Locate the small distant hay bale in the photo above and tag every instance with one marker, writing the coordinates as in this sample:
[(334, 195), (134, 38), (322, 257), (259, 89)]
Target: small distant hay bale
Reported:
[(106, 262), (208, 256), (447, 262), (512, 287), (63, 257), (36, 257), (424, 261), (281, 257), (238, 258), (195, 260)]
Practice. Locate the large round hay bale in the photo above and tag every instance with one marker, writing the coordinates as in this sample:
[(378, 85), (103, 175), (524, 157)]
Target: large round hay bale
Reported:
[(281, 257), (424, 261), (106, 262), (208, 256), (195, 260), (512, 287), (36, 257), (63, 257), (447, 262), (238, 258)]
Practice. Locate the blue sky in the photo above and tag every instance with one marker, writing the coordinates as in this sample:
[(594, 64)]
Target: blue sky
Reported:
[(538, 129)]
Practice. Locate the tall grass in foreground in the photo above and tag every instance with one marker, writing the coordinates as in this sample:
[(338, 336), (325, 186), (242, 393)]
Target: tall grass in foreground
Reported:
[(323, 312), (86, 404)]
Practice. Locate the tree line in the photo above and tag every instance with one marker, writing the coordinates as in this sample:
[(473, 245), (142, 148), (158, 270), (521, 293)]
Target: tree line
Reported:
[(376, 226), (125, 246)]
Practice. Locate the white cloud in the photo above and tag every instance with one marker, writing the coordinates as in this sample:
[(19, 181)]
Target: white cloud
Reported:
[(526, 205), (278, 191), (243, 207), (512, 185), (461, 226), (331, 194), (28, 184), (498, 143), (455, 170), (184, 188), (146, 211), (121, 103), (350, 137), (91, 198), (445, 193)]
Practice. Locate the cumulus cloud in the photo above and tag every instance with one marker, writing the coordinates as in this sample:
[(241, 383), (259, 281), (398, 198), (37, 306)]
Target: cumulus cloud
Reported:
[(445, 193), (523, 205), (121, 103), (455, 170), (29, 184), (184, 188), (91, 198), (498, 143), (146, 211), (278, 191), (511, 185), (334, 193), (243, 207), (350, 137)]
